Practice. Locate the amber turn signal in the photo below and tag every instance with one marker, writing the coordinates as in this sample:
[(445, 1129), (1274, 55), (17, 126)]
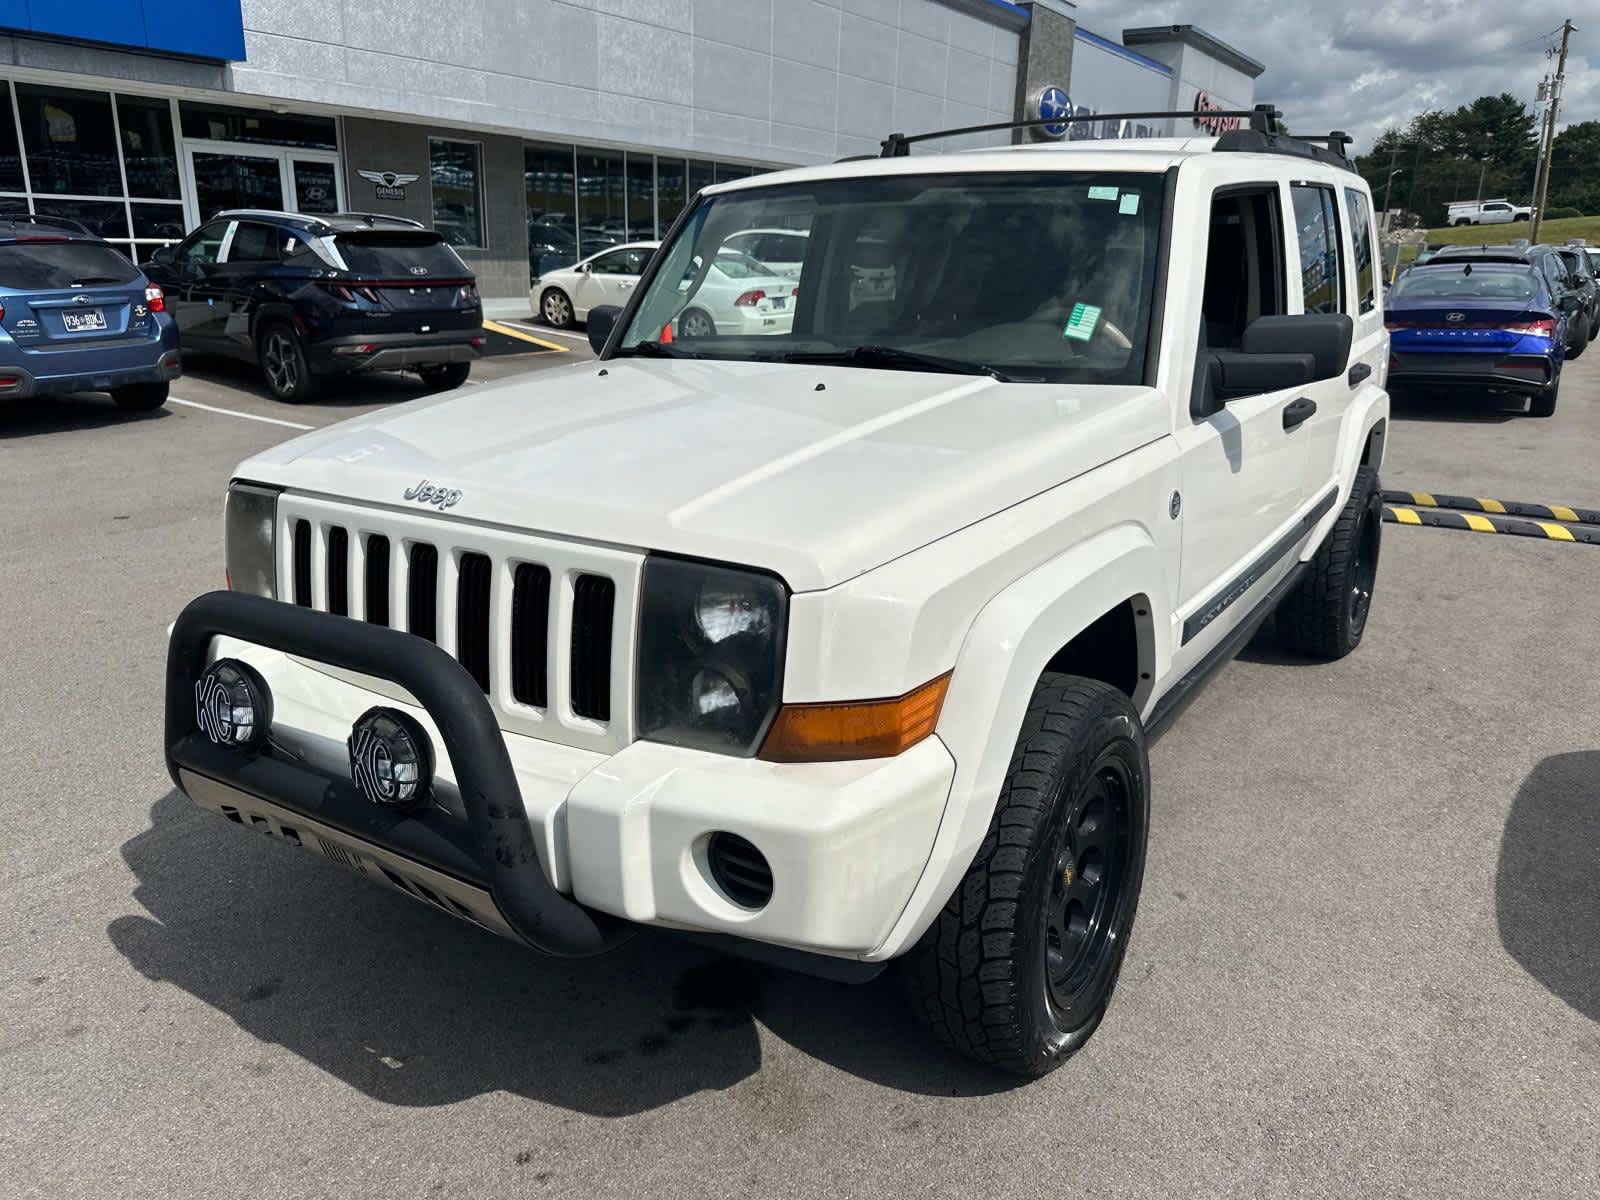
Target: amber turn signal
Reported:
[(860, 729)]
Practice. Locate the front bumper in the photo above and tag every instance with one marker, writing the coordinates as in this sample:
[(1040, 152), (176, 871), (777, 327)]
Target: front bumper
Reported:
[(393, 351), (609, 840)]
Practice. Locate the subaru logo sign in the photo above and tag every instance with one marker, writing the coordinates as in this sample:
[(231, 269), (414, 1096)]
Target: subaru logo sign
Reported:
[(1050, 102)]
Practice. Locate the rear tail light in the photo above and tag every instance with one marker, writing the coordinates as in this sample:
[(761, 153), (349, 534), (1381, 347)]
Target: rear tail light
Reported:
[(1538, 327), (350, 294), (469, 293), (2, 312), (155, 299), (480, 341), (750, 299)]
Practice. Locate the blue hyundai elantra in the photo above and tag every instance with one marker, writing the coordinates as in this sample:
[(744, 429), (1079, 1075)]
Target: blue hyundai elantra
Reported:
[(77, 316)]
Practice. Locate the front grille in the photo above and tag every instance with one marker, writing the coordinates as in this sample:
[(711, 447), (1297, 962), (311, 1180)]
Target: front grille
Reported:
[(593, 600), (540, 625), (422, 607), (473, 575)]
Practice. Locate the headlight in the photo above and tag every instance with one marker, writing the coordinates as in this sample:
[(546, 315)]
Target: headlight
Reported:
[(250, 523), (710, 664)]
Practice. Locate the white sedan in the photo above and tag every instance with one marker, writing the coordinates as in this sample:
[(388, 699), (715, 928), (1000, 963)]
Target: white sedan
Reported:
[(738, 295), (564, 296)]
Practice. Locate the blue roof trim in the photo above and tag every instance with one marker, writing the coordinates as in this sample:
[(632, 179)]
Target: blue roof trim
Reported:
[(1121, 51), (1013, 9), (208, 29)]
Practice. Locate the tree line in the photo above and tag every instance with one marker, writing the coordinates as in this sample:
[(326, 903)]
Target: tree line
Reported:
[(1487, 149)]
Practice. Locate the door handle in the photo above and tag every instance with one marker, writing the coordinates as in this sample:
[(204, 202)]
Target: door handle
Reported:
[(1297, 412), (1359, 374)]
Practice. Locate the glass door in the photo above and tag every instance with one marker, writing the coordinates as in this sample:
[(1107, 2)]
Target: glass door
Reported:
[(316, 184), (232, 180)]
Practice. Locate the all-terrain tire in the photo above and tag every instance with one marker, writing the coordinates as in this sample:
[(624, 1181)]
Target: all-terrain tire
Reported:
[(1072, 817), (1325, 616)]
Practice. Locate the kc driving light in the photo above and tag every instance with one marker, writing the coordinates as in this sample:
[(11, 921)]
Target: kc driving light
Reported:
[(710, 655), (391, 759), (250, 519), (232, 705)]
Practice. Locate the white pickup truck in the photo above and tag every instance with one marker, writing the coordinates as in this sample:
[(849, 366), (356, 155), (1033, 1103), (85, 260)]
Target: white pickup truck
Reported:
[(1486, 212), (837, 646)]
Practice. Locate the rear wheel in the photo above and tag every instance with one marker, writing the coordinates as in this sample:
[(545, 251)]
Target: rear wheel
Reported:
[(445, 376), (1578, 335), (283, 364), (140, 397), (1544, 400), (1326, 614), (1020, 965), (696, 323), (556, 308)]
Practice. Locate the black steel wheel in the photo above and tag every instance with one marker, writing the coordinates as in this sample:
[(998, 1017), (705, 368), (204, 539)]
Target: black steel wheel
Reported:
[(1018, 968), (1326, 615)]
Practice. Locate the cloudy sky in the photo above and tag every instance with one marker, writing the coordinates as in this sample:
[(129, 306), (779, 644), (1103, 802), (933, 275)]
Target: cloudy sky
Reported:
[(1362, 65)]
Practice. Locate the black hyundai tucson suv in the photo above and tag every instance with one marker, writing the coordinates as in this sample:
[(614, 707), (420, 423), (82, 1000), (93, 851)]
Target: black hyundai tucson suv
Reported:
[(307, 297)]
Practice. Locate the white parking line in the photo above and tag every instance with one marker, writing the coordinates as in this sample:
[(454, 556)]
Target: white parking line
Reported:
[(243, 416), (547, 331)]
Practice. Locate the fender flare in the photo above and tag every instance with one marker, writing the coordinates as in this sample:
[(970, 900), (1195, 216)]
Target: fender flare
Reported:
[(1007, 648), (1368, 411)]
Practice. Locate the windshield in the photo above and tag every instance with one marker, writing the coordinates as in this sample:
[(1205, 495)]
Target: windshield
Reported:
[(1036, 277), (47, 264), (1457, 283)]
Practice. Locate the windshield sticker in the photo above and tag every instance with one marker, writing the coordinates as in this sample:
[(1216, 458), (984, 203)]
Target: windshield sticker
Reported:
[(1102, 193), (1081, 324), (1129, 204)]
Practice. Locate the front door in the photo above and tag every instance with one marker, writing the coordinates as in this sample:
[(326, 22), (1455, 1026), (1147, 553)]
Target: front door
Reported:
[(1243, 472), (611, 278), (227, 175)]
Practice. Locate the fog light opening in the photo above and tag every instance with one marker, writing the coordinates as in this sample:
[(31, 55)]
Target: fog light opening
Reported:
[(233, 706), (740, 871), (391, 759)]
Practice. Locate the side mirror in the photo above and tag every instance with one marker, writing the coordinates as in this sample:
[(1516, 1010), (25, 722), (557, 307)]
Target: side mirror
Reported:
[(602, 320), (163, 255), (1569, 303), (1277, 353), (582, 268), (1326, 337)]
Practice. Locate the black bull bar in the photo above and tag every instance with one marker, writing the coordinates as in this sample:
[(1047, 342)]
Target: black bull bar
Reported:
[(493, 849)]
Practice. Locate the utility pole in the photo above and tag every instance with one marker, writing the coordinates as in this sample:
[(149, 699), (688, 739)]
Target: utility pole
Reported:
[(1567, 30)]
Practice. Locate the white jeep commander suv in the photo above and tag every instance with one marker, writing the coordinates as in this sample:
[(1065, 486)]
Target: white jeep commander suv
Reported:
[(836, 646)]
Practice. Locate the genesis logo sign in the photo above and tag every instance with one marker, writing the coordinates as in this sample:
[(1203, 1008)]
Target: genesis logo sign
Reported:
[(424, 492), (389, 185)]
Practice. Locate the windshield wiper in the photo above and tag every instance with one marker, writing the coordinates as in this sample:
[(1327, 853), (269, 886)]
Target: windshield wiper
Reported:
[(895, 359), (654, 350)]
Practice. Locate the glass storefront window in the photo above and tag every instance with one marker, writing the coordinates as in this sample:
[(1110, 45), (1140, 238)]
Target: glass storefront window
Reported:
[(316, 190), (455, 169), (10, 161), (641, 197), (701, 175), (69, 140), (105, 218), (147, 149), (602, 220), (164, 221), (219, 123), (727, 171), (547, 179), (671, 194)]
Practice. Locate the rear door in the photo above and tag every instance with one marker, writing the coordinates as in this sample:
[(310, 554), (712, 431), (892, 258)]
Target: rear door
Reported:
[(418, 281), (69, 292), (237, 283)]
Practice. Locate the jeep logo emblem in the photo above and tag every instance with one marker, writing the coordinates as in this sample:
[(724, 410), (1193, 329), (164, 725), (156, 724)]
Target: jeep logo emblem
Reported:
[(424, 492)]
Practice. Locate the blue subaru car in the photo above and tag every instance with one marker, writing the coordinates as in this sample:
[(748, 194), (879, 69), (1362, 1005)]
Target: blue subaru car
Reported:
[(1481, 326), (77, 316)]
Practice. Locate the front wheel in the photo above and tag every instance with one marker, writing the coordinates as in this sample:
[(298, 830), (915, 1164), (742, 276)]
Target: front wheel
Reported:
[(556, 308), (283, 365), (444, 377), (140, 397), (1326, 614), (1019, 966), (696, 323)]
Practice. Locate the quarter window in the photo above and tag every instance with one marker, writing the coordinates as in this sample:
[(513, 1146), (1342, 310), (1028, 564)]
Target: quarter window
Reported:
[(1318, 226), (456, 171), (1360, 214)]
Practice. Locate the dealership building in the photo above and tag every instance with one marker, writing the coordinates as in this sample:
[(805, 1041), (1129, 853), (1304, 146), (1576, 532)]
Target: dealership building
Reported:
[(533, 132)]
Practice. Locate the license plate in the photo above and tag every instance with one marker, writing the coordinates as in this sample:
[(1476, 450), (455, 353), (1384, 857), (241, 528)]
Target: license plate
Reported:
[(83, 320), (780, 302)]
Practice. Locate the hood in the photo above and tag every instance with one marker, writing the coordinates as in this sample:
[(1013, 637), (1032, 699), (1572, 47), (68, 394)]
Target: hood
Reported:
[(816, 473)]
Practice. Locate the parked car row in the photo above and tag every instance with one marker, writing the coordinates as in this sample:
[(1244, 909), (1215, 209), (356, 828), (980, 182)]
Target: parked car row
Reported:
[(305, 298), (1495, 318)]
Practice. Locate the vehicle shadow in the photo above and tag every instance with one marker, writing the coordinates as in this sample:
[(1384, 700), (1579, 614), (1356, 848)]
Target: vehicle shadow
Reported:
[(1547, 885), (363, 388), (58, 414), (414, 1008), (1463, 407)]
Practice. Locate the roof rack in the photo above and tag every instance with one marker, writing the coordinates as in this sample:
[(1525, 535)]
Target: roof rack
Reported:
[(67, 223), (277, 214), (898, 145)]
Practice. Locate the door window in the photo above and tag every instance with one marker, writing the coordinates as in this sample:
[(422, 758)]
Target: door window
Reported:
[(1318, 226), (203, 246), (253, 242), (621, 262), (1360, 215), (1244, 265), (224, 181)]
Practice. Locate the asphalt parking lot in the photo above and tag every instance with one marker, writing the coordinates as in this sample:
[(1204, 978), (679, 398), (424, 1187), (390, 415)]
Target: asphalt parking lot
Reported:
[(1367, 961)]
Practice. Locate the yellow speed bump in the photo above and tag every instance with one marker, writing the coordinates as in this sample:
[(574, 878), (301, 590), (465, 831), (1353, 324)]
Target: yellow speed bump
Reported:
[(1510, 508), (1554, 531), (522, 335)]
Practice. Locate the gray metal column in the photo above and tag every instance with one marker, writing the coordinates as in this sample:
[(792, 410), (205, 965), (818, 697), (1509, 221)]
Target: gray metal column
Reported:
[(1044, 58)]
